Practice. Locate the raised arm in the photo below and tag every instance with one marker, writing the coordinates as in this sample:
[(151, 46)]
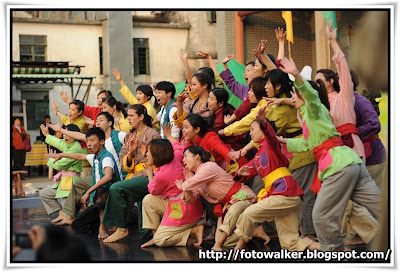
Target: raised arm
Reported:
[(209, 59), (65, 97), (260, 54), (117, 75), (280, 36), (188, 73), (225, 61), (345, 81)]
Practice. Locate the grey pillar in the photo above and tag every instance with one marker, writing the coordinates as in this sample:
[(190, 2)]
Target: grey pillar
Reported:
[(118, 51)]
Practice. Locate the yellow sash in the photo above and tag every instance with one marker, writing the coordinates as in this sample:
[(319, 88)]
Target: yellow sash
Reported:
[(271, 178), (136, 169)]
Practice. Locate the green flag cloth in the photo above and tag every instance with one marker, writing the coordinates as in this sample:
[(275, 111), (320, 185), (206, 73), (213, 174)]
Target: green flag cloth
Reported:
[(237, 70), (330, 15)]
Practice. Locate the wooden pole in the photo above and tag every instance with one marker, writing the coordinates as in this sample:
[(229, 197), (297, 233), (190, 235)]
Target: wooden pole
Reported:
[(290, 53)]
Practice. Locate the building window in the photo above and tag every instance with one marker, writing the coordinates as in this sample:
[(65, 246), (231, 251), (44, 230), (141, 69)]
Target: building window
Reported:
[(141, 58), (37, 106), (212, 16), (32, 47), (101, 54)]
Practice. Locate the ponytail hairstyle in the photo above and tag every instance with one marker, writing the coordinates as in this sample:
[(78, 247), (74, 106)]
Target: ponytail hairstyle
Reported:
[(141, 110), (198, 150), (257, 84), (108, 116), (111, 101), (198, 121), (278, 77), (329, 74), (222, 95), (162, 151)]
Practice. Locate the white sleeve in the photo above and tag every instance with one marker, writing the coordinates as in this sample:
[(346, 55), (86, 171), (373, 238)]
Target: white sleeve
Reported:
[(121, 136), (90, 158), (108, 162), (175, 129)]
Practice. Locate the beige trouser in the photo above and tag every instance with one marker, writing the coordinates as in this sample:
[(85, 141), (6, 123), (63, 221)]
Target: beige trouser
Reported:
[(229, 223), (153, 208), (357, 219), (285, 210)]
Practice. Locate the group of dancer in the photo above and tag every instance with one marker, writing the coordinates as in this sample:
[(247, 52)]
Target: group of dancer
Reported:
[(304, 154)]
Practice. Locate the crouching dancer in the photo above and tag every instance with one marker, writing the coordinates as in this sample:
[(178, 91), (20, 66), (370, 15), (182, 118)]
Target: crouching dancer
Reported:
[(165, 199), (105, 170), (281, 197)]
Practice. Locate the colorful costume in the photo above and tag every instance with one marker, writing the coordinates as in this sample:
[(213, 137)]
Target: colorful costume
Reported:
[(280, 199), (134, 188), (127, 94), (166, 199), (342, 107), (342, 172), (218, 187), (69, 172), (80, 122)]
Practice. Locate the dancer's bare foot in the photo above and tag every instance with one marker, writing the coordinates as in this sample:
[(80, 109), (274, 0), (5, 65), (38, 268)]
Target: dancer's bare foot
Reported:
[(66, 221), (119, 234), (356, 240), (102, 232), (149, 243), (59, 218), (197, 231), (260, 233), (112, 229), (314, 245), (211, 236)]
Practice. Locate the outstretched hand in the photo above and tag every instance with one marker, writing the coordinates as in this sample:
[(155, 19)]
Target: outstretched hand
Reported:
[(228, 58), (330, 32), (54, 106), (55, 156), (117, 74), (183, 55), (55, 127), (143, 148), (273, 101), (244, 170), (289, 67), (44, 129), (203, 54), (65, 97), (280, 35), (181, 97), (167, 129)]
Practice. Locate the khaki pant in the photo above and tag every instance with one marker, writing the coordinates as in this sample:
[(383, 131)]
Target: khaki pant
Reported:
[(285, 211), (357, 219), (73, 201), (153, 210), (49, 200), (229, 223)]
